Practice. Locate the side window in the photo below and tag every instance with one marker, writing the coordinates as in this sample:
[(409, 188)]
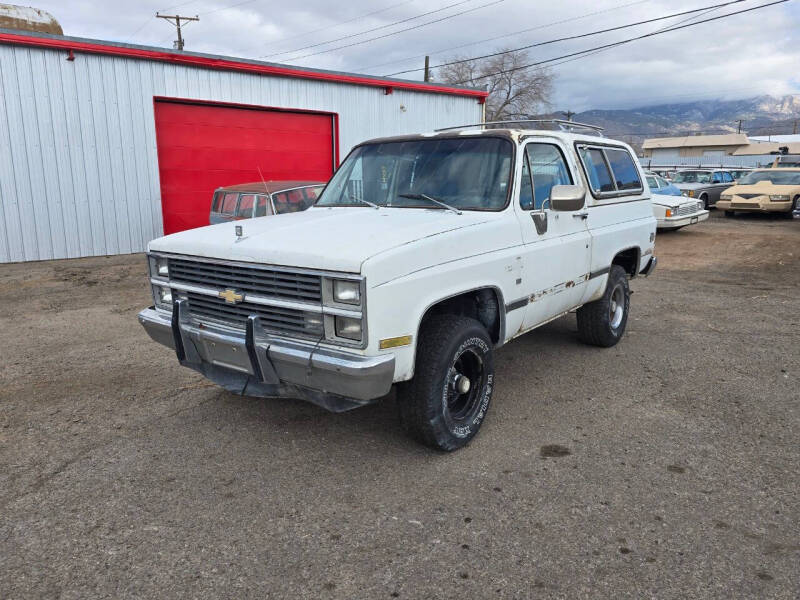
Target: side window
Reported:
[(548, 168), (312, 193), (245, 210), (262, 206), (597, 170), (525, 187), (652, 182), (229, 203), (626, 175), (662, 182), (727, 177), (216, 202), (281, 201), (716, 177)]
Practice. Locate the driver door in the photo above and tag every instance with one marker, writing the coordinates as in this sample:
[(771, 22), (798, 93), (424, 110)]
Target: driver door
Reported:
[(557, 249)]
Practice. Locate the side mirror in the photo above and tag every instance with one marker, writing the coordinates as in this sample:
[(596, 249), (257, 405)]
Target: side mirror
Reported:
[(567, 197)]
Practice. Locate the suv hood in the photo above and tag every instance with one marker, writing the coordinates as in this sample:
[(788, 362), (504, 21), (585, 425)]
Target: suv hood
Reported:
[(763, 188), (334, 239)]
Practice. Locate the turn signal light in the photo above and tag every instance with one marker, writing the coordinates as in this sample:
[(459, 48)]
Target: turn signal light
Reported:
[(669, 212), (395, 342)]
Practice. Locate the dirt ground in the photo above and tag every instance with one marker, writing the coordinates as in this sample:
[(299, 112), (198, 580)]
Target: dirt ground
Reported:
[(665, 467)]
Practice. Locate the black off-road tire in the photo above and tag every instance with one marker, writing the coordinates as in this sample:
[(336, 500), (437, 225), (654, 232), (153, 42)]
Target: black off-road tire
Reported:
[(704, 200), (599, 323), (431, 408)]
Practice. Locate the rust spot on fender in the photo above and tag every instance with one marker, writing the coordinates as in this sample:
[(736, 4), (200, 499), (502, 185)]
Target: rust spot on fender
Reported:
[(570, 284)]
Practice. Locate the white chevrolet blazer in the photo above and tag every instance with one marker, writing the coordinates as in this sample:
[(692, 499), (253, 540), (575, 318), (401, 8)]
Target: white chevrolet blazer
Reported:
[(423, 255)]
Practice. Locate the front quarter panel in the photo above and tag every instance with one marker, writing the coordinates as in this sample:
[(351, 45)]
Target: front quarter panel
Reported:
[(432, 269)]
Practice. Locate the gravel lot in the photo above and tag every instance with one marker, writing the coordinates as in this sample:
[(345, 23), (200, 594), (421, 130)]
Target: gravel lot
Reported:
[(665, 467)]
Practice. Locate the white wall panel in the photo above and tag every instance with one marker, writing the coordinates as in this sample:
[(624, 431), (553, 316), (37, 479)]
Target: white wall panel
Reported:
[(78, 161)]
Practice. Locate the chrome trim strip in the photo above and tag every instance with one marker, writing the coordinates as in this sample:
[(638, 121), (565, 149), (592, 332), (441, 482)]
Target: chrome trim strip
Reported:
[(261, 300)]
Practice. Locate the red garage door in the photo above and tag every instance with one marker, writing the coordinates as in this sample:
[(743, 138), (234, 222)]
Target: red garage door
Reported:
[(204, 146)]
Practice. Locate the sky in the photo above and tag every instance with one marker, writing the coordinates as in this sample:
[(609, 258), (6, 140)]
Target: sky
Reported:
[(742, 56)]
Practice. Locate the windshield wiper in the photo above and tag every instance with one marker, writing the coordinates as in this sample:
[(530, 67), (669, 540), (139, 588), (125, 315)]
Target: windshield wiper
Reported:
[(430, 199), (357, 199)]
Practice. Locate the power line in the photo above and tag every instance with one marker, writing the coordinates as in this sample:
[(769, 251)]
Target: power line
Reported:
[(209, 12), (380, 37), (572, 37), (365, 15), (347, 37), (506, 35), (620, 43)]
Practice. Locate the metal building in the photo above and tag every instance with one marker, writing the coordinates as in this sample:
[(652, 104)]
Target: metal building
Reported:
[(103, 143)]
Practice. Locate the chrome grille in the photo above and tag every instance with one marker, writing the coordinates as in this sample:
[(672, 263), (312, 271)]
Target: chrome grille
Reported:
[(688, 209), (272, 319), (286, 285), (748, 196)]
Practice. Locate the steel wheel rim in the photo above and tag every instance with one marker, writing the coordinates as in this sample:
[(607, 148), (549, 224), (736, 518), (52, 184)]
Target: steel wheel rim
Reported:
[(616, 308), (464, 384)]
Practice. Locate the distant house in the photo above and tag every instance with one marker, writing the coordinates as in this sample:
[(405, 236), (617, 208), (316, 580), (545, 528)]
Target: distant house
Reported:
[(714, 146)]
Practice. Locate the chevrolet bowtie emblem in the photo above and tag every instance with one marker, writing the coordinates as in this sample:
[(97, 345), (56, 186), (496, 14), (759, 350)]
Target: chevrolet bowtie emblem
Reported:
[(231, 296)]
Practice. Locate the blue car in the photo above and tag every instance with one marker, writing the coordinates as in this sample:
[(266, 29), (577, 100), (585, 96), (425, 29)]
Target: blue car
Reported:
[(659, 185)]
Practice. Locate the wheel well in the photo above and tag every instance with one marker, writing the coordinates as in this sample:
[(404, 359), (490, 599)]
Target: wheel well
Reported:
[(483, 305), (628, 260)]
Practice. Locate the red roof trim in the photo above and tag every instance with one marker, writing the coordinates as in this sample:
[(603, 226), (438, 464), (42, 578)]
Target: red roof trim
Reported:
[(231, 65)]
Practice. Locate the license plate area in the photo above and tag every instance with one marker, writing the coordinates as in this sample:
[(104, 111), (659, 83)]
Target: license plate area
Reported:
[(693, 220), (227, 355)]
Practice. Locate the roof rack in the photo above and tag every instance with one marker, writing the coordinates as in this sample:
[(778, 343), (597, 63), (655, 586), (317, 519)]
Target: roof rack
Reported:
[(562, 124)]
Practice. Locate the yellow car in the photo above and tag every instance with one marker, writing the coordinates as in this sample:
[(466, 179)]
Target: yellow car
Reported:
[(763, 190)]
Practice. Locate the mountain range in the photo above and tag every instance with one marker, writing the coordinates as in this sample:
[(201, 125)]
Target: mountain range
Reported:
[(761, 115)]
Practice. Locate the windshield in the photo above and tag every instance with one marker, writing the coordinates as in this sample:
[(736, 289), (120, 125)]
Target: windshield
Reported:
[(692, 177), (773, 176), (465, 173)]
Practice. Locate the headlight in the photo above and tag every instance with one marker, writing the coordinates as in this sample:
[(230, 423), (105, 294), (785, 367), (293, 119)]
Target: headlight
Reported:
[(725, 196), (779, 198), (159, 267), (348, 292), (689, 193), (347, 327), (162, 296)]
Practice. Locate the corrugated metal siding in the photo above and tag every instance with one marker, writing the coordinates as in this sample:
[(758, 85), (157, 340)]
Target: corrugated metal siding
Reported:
[(78, 163), (763, 160)]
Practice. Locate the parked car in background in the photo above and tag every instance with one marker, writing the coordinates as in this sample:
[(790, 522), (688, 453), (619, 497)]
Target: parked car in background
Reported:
[(763, 190), (261, 199), (789, 161), (671, 209), (704, 184)]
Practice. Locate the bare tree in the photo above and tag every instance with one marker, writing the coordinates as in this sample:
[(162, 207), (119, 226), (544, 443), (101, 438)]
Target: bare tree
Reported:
[(513, 93)]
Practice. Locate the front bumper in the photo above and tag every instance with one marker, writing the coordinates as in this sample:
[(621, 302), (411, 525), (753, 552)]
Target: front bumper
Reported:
[(755, 205), (682, 220), (257, 364), (649, 267)]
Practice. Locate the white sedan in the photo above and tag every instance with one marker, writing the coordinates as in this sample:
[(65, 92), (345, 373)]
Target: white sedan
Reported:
[(670, 208)]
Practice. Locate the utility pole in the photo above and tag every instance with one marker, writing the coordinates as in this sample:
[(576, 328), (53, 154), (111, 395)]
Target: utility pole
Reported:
[(569, 114), (427, 68), (176, 21), (740, 126)]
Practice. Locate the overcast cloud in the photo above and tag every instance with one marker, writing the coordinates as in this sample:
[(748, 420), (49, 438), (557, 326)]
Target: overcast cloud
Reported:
[(746, 55)]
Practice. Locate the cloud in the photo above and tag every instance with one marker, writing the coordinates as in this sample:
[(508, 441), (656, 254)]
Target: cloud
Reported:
[(746, 55)]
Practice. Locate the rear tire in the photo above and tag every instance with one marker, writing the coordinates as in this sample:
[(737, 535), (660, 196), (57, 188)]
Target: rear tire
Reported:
[(602, 322), (445, 403)]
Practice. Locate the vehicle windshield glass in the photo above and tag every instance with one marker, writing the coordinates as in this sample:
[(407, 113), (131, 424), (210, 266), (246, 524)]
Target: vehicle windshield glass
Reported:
[(773, 176), (692, 177), (651, 181), (466, 173)]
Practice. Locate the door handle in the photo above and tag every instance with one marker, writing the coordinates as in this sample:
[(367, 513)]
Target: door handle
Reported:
[(581, 215)]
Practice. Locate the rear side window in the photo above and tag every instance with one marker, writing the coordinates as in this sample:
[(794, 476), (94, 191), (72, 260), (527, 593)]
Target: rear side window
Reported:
[(626, 175), (246, 204), (217, 201), (229, 203), (597, 170)]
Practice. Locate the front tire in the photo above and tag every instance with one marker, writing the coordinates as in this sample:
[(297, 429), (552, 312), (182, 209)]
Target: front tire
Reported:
[(704, 200), (729, 213), (602, 322), (445, 403)]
